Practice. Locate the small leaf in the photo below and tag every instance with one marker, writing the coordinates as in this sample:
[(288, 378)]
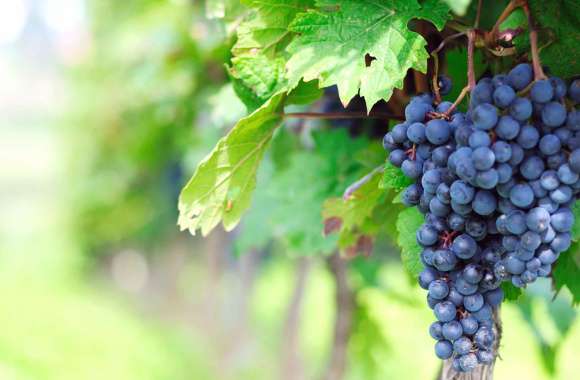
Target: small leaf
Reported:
[(511, 293), (222, 185), (408, 223), (393, 178)]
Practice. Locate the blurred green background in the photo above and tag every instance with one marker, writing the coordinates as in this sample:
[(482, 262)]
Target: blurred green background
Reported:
[(106, 107)]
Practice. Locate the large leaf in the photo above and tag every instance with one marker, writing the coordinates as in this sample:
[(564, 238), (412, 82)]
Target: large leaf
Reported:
[(408, 223), (222, 185), (337, 41)]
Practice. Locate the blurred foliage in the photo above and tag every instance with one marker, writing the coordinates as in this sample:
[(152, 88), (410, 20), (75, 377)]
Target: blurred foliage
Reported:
[(142, 109)]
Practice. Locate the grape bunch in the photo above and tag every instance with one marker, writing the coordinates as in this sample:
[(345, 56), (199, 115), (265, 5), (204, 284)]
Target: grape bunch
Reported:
[(496, 186)]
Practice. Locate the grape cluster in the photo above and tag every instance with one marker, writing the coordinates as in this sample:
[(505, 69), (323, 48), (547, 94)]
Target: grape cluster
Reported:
[(496, 186)]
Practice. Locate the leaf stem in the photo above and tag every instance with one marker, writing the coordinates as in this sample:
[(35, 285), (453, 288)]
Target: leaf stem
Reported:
[(341, 115), (356, 185)]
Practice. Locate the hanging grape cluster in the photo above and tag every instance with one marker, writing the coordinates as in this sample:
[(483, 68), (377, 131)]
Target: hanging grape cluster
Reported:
[(496, 186)]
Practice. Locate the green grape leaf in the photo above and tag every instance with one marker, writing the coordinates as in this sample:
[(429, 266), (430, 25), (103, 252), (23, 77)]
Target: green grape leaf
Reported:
[(257, 78), (560, 35), (361, 46), (393, 178), (266, 31), (408, 223), (222, 185), (567, 272), (511, 293), (304, 93), (459, 7), (258, 66)]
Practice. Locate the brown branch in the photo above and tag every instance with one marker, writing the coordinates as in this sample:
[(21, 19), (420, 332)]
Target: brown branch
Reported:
[(292, 367), (470, 65), (536, 64), (345, 304), (481, 372), (341, 115)]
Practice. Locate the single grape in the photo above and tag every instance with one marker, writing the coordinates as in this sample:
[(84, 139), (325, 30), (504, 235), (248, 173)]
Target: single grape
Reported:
[(495, 297), (473, 302), (484, 202), (468, 362), (436, 330), (438, 289), (443, 349), (469, 325), (464, 246), (542, 91), (562, 220), (437, 131), (452, 330), (520, 76), (462, 346), (427, 235), (538, 219), (445, 84), (416, 111), (567, 175), (484, 338), (521, 109), (483, 158), (550, 144), (416, 133), (528, 137), (554, 114), (472, 273), (522, 195), (427, 276), (484, 116), (444, 260), (503, 96), (445, 311), (561, 242), (549, 180), (574, 91), (479, 138), (532, 167), (559, 87)]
